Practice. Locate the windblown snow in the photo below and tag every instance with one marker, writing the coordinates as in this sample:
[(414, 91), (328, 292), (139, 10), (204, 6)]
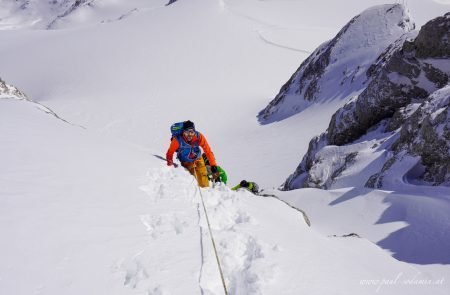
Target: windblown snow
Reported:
[(87, 208)]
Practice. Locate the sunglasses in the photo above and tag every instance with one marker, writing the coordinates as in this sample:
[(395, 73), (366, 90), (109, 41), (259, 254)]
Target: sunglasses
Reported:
[(189, 132)]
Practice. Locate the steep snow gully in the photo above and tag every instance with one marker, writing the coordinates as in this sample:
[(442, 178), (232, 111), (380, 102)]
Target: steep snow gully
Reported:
[(180, 219)]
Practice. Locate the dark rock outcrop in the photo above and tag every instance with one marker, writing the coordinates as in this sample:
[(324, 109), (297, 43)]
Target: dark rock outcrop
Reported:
[(400, 78), (426, 133), (407, 96), (432, 40)]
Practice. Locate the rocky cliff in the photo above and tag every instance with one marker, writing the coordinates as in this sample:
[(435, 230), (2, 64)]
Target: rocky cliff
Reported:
[(401, 114)]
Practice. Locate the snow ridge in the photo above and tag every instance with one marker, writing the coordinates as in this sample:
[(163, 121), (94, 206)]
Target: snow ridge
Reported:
[(10, 92), (337, 69)]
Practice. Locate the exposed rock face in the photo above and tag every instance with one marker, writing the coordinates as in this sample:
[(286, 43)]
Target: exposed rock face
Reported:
[(433, 39), (406, 101), (61, 14), (426, 134), (65, 11), (338, 68), (399, 77), (8, 91), (38, 13), (300, 177)]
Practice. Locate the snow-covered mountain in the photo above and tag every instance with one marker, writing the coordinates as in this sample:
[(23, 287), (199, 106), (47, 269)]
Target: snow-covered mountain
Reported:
[(397, 127), (57, 14), (337, 69)]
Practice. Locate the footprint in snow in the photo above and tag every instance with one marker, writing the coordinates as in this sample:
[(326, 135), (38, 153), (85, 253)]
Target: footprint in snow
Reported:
[(158, 291), (157, 226), (135, 272), (245, 266)]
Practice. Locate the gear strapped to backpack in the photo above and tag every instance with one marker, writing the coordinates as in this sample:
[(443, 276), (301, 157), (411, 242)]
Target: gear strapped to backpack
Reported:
[(176, 129)]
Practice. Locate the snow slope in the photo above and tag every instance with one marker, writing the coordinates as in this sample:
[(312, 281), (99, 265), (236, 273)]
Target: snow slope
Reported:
[(410, 225), (86, 219), (89, 210), (64, 192)]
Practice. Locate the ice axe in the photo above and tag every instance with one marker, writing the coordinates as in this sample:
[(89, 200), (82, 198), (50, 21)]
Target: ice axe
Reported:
[(164, 159)]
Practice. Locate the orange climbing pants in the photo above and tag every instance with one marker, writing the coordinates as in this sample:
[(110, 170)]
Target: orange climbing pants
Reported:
[(198, 170)]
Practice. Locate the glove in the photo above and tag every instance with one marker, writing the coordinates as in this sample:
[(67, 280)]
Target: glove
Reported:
[(169, 162), (214, 169), (215, 174)]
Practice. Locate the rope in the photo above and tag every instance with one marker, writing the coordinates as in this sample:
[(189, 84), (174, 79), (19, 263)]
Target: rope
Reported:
[(212, 237), (305, 216)]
